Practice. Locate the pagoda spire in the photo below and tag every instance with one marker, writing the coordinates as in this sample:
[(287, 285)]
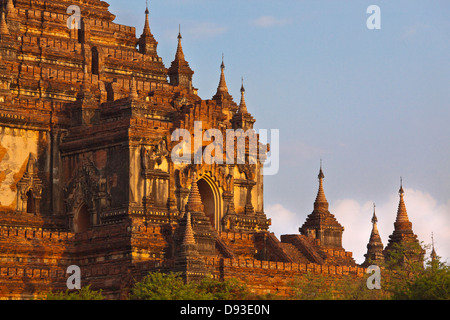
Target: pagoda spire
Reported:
[(433, 254), (321, 201), (403, 234), (147, 43), (375, 246), (222, 88), (147, 24), (10, 9), (242, 105), (194, 203), (189, 239), (179, 55), (402, 221), (321, 224), (180, 73), (4, 30)]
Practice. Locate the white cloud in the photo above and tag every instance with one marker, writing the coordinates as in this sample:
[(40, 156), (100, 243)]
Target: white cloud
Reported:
[(425, 213), (284, 221), (269, 21)]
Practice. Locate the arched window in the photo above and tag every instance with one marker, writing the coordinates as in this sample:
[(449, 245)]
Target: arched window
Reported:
[(82, 220), (31, 208)]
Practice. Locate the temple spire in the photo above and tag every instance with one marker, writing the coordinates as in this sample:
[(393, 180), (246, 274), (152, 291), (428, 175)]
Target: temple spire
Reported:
[(179, 55), (194, 203), (321, 200), (10, 9), (189, 239), (242, 105), (180, 73), (147, 43), (4, 30), (222, 88), (402, 215), (375, 246), (147, 24)]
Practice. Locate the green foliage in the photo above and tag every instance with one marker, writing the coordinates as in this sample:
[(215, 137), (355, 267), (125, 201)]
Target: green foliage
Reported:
[(84, 293), (166, 286), (171, 286), (403, 276), (326, 287), (431, 283), (229, 289)]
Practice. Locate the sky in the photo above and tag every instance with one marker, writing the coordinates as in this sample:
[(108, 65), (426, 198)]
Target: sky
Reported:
[(373, 104)]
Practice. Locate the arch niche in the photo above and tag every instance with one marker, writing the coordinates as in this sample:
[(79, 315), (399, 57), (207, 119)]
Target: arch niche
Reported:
[(82, 219), (212, 200)]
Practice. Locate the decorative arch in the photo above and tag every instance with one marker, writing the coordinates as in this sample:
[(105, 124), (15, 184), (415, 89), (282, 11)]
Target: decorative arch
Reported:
[(82, 219), (29, 189), (212, 200)]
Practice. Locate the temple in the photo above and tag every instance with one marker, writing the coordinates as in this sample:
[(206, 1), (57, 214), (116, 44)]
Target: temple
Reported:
[(87, 113)]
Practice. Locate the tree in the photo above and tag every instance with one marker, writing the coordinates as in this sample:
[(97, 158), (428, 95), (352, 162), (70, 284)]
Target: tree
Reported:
[(229, 289), (171, 286), (166, 286), (84, 293)]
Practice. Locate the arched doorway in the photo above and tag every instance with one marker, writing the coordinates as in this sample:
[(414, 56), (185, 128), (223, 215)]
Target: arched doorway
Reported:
[(208, 200), (212, 200), (82, 220), (30, 202)]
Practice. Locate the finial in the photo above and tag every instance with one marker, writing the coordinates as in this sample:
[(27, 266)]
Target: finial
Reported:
[(179, 32), (222, 66), (401, 192), (374, 217), (321, 175), (432, 240), (242, 106), (146, 7)]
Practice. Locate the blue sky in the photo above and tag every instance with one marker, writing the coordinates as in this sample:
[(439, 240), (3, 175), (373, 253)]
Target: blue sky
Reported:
[(373, 104)]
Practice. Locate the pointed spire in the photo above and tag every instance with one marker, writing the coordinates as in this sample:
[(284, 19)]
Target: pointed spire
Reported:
[(321, 200), (180, 73), (179, 55), (10, 9), (402, 215), (433, 252), (374, 225), (189, 238), (147, 43), (242, 105), (194, 203), (4, 30), (222, 88), (147, 24), (375, 246)]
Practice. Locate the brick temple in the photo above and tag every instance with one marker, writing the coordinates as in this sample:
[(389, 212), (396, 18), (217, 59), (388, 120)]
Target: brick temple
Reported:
[(86, 178)]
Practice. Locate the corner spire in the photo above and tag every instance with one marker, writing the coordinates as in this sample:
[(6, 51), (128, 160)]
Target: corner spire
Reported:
[(242, 105), (179, 55), (189, 239), (4, 30), (147, 24), (194, 203), (180, 73), (10, 9), (222, 88), (147, 43)]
